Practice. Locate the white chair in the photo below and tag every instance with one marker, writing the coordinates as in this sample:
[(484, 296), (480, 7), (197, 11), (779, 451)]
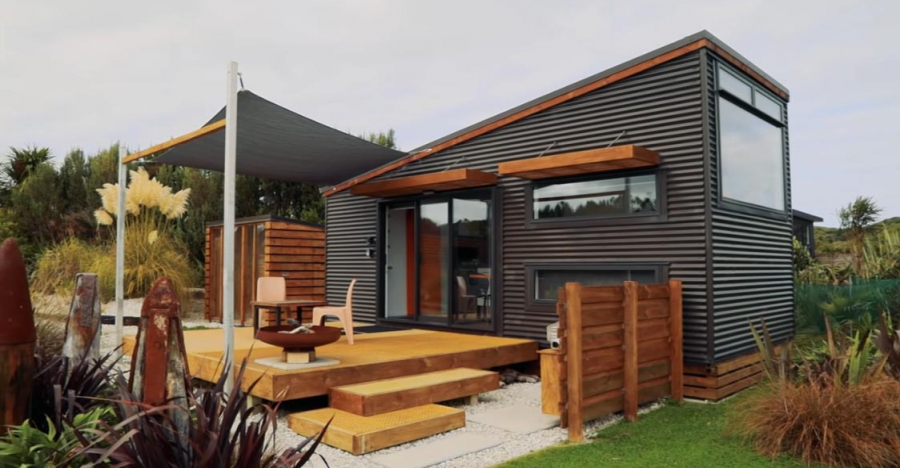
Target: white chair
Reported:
[(344, 314)]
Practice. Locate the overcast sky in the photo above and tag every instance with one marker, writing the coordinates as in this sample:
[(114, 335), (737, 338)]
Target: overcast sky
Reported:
[(89, 73)]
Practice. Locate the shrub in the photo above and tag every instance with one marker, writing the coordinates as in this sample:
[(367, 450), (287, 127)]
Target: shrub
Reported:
[(224, 432), (151, 251), (847, 425), (26, 445), (56, 269), (839, 405), (857, 303), (62, 389)]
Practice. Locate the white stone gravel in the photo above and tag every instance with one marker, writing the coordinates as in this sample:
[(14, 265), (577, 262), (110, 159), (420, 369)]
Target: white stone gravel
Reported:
[(514, 445)]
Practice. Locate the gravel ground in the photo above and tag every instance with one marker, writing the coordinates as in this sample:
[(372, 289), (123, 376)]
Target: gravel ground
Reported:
[(513, 446)]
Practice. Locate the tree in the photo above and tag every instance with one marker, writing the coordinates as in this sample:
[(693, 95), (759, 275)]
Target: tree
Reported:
[(386, 139), (36, 208), (19, 164), (856, 220)]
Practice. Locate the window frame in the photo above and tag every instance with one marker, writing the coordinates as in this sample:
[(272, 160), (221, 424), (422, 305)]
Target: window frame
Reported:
[(631, 218), (733, 204), (660, 268)]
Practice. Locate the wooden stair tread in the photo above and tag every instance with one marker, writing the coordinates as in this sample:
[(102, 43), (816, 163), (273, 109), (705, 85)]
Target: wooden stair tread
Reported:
[(413, 381), (360, 434), (385, 396)]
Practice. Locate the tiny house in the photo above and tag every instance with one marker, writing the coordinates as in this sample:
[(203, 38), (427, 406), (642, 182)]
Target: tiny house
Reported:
[(265, 246), (672, 165)]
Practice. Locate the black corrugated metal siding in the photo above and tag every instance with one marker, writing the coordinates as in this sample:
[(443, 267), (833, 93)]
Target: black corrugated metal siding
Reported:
[(349, 221), (752, 274), (660, 109)]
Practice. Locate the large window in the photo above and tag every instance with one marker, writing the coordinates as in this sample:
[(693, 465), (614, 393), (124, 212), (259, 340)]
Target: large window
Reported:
[(751, 144), (607, 197), (547, 279)]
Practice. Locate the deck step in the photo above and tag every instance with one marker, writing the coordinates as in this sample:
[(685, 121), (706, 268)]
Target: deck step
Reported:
[(384, 396), (359, 434)]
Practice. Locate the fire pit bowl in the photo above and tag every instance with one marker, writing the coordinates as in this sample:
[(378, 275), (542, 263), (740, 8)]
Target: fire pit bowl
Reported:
[(321, 336)]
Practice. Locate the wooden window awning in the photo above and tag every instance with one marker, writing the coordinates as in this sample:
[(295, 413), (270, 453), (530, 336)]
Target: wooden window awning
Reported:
[(435, 182), (581, 162)]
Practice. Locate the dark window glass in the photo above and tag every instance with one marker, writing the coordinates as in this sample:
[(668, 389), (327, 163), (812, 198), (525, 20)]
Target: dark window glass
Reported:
[(751, 157), (599, 198), (547, 282), (472, 260), (735, 86)]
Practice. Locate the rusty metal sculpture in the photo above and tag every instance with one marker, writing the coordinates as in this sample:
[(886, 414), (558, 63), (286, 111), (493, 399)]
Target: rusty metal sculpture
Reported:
[(159, 372), (17, 337), (159, 364), (83, 325)]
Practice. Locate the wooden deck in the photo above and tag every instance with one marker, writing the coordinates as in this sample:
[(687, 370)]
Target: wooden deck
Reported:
[(375, 356)]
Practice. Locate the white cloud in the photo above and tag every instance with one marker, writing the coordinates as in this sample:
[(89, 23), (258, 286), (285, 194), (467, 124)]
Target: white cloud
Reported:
[(89, 73)]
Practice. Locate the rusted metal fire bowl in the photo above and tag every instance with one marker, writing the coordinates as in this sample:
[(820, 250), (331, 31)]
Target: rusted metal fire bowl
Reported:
[(299, 341)]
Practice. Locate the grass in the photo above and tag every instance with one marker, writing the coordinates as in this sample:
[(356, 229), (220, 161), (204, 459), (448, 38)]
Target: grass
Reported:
[(693, 435)]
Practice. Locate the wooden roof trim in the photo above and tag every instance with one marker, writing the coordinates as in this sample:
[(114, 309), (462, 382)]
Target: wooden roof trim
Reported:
[(203, 131), (580, 162), (603, 82), (437, 181)]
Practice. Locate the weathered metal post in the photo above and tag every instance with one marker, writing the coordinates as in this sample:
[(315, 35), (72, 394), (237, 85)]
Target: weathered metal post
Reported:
[(17, 337), (159, 372), (83, 325)]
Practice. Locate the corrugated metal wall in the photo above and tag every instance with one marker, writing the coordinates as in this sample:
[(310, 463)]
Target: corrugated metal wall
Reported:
[(660, 109), (349, 222), (752, 273)]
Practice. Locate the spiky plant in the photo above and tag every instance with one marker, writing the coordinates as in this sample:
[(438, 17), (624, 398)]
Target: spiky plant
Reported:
[(225, 432), (63, 389)]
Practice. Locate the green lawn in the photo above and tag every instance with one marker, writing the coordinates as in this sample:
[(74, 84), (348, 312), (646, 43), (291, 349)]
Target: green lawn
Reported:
[(679, 435)]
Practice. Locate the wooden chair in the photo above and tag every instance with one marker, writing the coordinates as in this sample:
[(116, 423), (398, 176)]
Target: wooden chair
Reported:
[(465, 302), (270, 288), (344, 314)]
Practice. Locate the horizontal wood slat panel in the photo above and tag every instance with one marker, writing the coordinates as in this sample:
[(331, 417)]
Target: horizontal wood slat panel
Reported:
[(653, 308), (617, 353), (266, 247)]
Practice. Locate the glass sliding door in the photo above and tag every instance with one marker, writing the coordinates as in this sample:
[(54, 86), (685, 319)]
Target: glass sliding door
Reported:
[(472, 260), (434, 260), (437, 260)]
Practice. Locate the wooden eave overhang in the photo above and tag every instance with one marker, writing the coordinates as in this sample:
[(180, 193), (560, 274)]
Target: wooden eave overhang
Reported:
[(581, 162), (453, 179), (702, 40)]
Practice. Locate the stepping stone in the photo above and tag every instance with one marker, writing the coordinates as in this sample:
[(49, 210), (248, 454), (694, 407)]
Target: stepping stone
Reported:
[(431, 453), (384, 396), (360, 434), (520, 419)]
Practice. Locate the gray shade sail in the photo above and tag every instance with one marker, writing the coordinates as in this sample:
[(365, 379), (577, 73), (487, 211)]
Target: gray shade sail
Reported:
[(276, 143)]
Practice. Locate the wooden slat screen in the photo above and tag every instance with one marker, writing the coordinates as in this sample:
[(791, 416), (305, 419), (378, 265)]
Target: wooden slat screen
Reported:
[(622, 346)]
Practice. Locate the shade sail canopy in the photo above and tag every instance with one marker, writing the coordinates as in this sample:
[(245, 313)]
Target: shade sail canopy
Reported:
[(276, 143)]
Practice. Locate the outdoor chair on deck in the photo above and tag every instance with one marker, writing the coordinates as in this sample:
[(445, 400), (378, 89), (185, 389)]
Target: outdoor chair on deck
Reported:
[(466, 302), (269, 288), (344, 314)]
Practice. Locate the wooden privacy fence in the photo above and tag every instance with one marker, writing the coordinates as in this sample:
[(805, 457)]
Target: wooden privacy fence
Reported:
[(622, 346)]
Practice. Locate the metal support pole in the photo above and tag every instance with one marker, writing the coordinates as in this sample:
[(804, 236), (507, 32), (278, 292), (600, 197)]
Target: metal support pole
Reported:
[(228, 226), (120, 250)]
